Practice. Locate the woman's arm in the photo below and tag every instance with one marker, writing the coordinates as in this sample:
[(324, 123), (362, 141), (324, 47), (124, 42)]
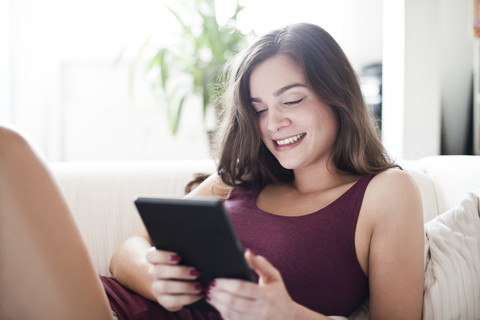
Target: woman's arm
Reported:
[(396, 269), (129, 264)]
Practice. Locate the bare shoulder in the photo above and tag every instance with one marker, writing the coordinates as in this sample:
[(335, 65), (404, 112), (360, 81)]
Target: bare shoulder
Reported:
[(393, 179), (212, 186), (393, 188), (392, 199)]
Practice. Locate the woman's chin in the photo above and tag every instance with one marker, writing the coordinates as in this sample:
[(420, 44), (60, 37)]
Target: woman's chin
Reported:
[(289, 165)]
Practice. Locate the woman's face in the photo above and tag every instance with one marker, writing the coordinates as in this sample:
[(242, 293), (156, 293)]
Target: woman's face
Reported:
[(296, 126)]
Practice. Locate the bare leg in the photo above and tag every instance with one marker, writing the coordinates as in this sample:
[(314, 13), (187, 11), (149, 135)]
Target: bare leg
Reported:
[(45, 269)]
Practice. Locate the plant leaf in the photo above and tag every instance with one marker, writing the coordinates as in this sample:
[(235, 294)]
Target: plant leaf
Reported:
[(175, 121), (204, 48), (159, 61), (186, 29)]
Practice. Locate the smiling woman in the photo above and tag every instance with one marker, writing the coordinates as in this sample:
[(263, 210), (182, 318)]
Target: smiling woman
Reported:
[(310, 191)]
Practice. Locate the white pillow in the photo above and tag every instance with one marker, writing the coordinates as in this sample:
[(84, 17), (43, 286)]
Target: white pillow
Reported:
[(452, 273)]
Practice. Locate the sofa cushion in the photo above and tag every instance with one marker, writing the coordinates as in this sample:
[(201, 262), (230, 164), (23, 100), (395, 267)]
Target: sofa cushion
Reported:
[(426, 187), (452, 177), (101, 195), (452, 275)]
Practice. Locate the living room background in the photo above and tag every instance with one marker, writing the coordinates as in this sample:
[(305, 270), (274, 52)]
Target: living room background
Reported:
[(63, 90), (59, 83)]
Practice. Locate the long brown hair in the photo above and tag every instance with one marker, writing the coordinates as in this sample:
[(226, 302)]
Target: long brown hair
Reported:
[(244, 159)]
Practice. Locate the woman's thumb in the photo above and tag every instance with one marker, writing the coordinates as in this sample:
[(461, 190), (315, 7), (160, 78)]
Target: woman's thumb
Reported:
[(263, 268)]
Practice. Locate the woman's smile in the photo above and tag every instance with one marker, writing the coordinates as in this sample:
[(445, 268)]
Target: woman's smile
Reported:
[(291, 140)]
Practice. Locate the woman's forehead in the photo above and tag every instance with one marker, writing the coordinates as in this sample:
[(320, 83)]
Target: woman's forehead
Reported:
[(276, 75)]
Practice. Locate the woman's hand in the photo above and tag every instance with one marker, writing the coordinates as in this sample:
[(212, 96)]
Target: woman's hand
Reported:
[(237, 299), (173, 286)]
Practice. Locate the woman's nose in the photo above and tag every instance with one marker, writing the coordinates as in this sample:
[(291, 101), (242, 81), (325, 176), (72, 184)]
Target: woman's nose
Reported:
[(277, 119)]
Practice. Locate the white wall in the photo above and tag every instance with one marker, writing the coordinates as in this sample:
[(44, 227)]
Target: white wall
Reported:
[(456, 61), (411, 85), (428, 61), (355, 24), (5, 64)]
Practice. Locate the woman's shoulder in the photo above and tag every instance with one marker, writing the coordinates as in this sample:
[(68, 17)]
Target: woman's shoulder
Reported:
[(394, 179), (392, 190), (212, 186)]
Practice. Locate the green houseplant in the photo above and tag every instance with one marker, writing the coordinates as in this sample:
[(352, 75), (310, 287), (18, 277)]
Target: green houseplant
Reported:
[(193, 66)]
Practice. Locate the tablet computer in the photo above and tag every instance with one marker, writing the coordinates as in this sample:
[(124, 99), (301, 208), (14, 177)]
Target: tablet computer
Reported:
[(201, 232)]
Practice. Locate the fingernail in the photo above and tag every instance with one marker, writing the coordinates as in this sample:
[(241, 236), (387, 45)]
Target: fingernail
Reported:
[(207, 294), (198, 287), (212, 283), (194, 273), (175, 257)]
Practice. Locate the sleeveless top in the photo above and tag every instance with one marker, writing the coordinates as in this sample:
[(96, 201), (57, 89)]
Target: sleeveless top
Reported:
[(315, 253)]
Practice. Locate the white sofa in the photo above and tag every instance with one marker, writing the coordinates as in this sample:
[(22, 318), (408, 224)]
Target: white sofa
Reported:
[(101, 196)]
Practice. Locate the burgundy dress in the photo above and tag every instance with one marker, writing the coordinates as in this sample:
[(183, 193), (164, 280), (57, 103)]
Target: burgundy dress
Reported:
[(315, 254)]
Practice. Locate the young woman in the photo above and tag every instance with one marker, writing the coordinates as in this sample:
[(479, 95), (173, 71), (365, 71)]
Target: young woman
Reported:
[(328, 219)]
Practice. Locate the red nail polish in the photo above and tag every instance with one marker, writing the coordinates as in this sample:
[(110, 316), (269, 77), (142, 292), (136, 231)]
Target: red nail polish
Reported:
[(194, 273), (175, 257), (198, 287), (212, 283), (207, 295)]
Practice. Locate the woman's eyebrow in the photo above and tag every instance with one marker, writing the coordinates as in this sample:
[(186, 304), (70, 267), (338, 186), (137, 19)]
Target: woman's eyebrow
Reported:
[(280, 91)]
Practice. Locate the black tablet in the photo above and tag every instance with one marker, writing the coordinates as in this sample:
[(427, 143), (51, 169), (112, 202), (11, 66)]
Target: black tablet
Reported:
[(201, 232)]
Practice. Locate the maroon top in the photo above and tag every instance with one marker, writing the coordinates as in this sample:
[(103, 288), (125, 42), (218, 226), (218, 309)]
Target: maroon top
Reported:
[(315, 254)]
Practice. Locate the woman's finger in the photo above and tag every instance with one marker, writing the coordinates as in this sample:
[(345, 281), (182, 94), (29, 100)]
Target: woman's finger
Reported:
[(165, 271), (155, 256), (237, 303), (240, 288), (176, 302), (176, 287)]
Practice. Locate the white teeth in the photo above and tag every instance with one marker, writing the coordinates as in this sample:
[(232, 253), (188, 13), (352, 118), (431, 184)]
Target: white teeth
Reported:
[(290, 140)]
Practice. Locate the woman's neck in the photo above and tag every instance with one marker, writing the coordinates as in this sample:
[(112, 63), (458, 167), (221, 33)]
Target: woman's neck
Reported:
[(319, 178)]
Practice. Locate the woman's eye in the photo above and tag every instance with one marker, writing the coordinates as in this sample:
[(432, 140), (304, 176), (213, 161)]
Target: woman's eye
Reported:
[(293, 102), (259, 112)]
